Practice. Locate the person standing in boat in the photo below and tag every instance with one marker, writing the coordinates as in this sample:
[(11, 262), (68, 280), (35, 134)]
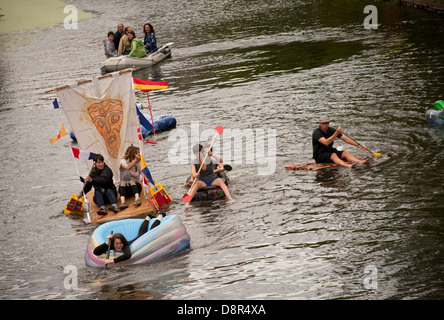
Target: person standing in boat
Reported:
[(124, 47), (118, 35), (121, 245), (110, 49), (149, 40), (137, 48), (130, 177), (323, 152), (101, 177), (206, 177)]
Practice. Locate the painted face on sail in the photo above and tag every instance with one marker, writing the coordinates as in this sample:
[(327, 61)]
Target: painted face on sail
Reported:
[(107, 117)]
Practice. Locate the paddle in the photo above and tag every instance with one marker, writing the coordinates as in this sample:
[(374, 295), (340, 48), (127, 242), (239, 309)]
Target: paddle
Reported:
[(109, 249), (377, 154), (187, 197)]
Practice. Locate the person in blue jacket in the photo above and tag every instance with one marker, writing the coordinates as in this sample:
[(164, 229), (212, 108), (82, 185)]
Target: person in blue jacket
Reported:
[(150, 38)]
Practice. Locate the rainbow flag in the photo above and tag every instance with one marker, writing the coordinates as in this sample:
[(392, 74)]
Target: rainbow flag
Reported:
[(61, 134), (145, 169), (148, 85)]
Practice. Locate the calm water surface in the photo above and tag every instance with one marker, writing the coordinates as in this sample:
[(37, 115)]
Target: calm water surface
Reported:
[(244, 65)]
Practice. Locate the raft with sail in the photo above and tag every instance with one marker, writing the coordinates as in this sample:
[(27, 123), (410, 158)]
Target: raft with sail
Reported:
[(103, 117)]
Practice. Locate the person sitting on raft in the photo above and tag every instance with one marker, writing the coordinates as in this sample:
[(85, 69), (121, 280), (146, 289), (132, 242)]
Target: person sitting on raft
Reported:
[(323, 152), (120, 244), (149, 41), (206, 177), (101, 177), (130, 177), (110, 49), (137, 48)]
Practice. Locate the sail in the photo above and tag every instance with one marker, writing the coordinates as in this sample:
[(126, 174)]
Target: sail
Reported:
[(103, 116)]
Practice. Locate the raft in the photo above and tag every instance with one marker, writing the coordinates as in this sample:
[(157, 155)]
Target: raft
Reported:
[(164, 240), (123, 62), (210, 193), (312, 165)]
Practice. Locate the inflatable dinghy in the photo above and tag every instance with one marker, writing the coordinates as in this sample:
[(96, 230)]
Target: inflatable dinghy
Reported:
[(166, 239)]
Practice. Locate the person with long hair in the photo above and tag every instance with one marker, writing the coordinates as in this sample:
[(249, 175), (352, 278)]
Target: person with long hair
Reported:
[(121, 245), (130, 177), (149, 40), (137, 49)]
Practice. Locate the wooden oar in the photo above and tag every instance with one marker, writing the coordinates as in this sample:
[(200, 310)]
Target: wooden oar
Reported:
[(187, 197), (109, 249), (376, 154)]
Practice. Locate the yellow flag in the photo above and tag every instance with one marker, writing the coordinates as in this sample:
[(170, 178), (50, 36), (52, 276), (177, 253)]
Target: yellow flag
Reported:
[(61, 134)]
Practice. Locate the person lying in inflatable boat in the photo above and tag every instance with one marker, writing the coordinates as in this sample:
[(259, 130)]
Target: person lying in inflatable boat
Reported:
[(120, 244), (206, 177)]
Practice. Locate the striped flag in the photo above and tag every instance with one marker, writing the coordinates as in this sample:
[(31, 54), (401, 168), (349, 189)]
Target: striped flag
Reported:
[(145, 169), (82, 154), (141, 138), (61, 134), (148, 85)]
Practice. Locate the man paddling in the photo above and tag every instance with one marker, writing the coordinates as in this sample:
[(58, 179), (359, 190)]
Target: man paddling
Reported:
[(323, 152)]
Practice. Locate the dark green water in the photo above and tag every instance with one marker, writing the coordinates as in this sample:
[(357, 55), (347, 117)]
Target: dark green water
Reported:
[(245, 65)]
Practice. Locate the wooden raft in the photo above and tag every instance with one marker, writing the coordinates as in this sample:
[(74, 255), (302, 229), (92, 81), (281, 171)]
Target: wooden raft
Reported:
[(130, 212), (312, 165)]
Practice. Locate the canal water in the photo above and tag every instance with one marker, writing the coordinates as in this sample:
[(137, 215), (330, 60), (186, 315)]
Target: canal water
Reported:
[(265, 71)]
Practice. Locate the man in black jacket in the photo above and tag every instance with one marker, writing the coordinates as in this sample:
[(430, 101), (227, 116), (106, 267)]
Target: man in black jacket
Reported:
[(101, 177)]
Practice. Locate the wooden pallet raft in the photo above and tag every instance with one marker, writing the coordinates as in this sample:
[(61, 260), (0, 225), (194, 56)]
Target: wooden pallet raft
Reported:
[(312, 165)]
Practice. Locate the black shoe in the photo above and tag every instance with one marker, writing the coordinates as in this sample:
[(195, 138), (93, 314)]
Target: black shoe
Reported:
[(114, 209), (163, 214), (102, 211)]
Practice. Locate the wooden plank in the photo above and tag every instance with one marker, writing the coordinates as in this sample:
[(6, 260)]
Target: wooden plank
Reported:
[(315, 166), (130, 212)]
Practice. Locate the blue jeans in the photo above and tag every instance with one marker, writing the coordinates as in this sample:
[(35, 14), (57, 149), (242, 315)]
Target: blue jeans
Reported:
[(100, 198)]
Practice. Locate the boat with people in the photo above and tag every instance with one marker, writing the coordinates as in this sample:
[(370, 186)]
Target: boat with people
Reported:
[(122, 62), (105, 121), (166, 239)]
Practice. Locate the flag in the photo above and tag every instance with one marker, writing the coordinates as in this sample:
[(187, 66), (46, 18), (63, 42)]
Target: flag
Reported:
[(82, 154), (61, 134), (141, 138), (148, 85), (144, 121), (55, 104), (145, 169)]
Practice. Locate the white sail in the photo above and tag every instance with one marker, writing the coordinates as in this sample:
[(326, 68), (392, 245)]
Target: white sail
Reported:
[(103, 116)]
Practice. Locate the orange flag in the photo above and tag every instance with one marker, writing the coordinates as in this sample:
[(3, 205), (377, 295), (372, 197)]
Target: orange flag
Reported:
[(61, 134)]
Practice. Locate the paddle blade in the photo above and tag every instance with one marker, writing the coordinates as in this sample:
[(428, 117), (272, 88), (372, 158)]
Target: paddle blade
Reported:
[(186, 198), (377, 154), (219, 129)]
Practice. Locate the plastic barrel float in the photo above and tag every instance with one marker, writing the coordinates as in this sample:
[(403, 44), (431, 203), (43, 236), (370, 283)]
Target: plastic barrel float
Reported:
[(166, 239), (435, 116)]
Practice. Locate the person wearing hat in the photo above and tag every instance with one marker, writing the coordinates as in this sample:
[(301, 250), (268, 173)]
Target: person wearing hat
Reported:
[(323, 152)]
